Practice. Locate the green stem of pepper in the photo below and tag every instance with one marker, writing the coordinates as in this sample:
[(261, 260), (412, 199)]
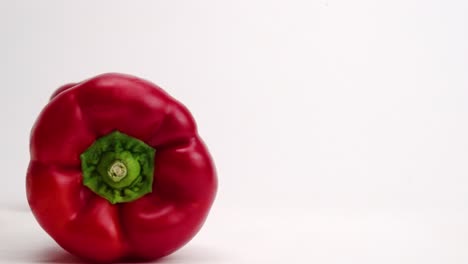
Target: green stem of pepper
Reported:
[(118, 167)]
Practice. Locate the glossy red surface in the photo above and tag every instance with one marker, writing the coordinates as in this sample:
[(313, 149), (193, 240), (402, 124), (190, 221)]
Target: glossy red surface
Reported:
[(89, 226)]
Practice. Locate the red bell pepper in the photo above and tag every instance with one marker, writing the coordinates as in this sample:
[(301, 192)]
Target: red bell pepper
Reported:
[(118, 170)]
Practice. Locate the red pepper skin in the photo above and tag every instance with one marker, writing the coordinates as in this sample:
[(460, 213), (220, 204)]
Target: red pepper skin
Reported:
[(86, 224)]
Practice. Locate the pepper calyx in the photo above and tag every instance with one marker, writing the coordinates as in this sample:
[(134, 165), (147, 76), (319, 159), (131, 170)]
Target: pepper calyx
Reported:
[(118, 167)]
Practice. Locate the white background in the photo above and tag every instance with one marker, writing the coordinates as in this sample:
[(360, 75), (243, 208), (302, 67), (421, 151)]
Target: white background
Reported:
[(338, 128)]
